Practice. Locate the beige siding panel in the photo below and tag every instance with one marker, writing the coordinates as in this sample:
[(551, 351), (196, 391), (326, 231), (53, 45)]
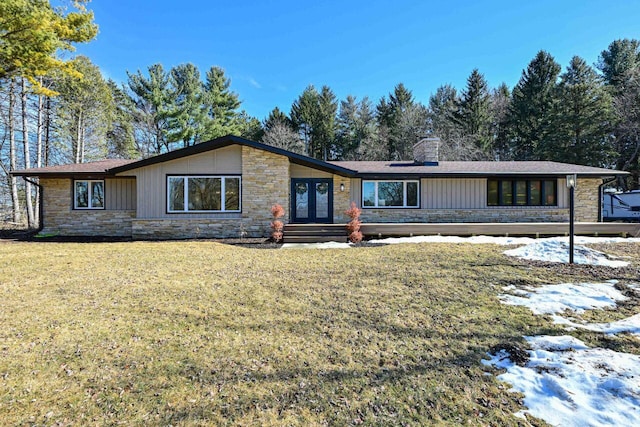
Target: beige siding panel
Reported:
[(120, 194), (454, 193), (151, 180), (563, 193), (356, 191), (298, 171)]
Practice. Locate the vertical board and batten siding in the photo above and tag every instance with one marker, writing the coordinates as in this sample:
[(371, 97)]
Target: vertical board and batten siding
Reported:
[(458, 193), (120, 194), (152, 180), (298, 171)]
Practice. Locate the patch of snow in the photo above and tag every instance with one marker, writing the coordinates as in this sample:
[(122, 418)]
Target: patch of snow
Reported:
[(569, 384), (552, 299), (630, 325), (500, 240), (558, 251)]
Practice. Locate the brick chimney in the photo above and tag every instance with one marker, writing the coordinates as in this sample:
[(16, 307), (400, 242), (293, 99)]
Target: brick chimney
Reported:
[(425, 152)]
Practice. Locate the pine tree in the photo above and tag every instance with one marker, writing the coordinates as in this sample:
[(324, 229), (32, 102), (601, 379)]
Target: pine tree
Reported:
[(401, 121), (474, 112), (356, 124), (583, 118), (276, 116), (154, 101), (532, 105), (187, 121), (500, 103), (221, 104), (303, 117)]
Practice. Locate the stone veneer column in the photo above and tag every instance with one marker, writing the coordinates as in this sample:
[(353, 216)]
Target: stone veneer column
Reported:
[(341, 199), (265, 182), (586, 199)]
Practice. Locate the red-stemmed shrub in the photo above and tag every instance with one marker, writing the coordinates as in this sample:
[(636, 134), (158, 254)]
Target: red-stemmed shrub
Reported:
[(353, 226), (277, 226)]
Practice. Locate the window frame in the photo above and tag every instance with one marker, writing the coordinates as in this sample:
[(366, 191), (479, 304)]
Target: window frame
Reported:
[(404, 193), (89, 206), (223, 200), (513, 184)]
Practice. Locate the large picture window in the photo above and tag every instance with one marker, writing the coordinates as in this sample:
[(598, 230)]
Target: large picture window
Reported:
[(522, 192), (390, 194), (203, 194), (88, 194)]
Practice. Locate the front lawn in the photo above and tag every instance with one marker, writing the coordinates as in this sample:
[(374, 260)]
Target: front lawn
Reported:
[(200, 333)]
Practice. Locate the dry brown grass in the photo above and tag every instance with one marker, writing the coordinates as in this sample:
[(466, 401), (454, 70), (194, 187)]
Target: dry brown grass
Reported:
[(199, 333)]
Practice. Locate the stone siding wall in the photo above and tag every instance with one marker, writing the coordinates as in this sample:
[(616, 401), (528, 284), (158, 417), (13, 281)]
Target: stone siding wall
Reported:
[(586, 199), (157, 229), (341, 199), (465, 215), (60, 218)]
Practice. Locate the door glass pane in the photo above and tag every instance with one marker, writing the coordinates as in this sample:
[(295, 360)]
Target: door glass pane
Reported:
[(369, 194), (412, 194), (97, 194), (232, 194), (302, 200), (322, 200)]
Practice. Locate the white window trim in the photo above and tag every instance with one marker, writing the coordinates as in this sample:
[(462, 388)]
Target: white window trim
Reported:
[(89, 194), (404, 194), (223, 195)]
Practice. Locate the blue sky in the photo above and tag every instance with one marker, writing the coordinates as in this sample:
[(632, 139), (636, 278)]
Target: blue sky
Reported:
[(272, 50)]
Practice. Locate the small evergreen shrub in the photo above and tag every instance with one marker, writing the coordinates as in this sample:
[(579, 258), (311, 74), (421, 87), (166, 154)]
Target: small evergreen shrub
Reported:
[(277, 226), (353, 226)]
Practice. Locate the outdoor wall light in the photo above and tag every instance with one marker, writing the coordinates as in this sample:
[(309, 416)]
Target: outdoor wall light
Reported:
[(572, 181), (342, 186)]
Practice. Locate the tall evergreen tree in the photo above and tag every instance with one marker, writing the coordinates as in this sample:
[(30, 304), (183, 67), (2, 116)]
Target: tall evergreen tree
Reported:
[(500, 103), (583, 119), (222, 105), (532, 105), (276, 116), (474, 114), (120, 137), (443, 108), (356, 124), (303, 117), (620, 67), (401, 121), (187, 120), (324, 132), (154, 101)]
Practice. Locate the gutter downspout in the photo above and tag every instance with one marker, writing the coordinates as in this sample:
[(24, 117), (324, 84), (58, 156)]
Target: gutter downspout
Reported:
[(40, 204), (600, 194)]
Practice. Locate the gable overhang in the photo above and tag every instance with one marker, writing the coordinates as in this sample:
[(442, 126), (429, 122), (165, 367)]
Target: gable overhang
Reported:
[(226, 141)]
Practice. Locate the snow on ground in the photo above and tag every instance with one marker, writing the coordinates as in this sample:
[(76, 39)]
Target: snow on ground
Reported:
[(324, 245), (566, 383), (558, 251), (552, 299)]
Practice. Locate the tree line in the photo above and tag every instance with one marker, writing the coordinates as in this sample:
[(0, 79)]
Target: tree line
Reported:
[(56, 110)]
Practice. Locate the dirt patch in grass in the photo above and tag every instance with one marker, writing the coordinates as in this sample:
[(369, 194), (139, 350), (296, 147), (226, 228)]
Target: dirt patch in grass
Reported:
[(200, 333)]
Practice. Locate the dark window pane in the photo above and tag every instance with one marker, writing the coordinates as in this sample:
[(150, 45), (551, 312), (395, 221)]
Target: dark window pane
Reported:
[(369, 194), (390, 193), (534, 193), (492, 193), (521, 192), (232, 194), (506, 189), (176, 194), (549, 193), (205, 194), (412, 194), (97, 194), (82, 194)]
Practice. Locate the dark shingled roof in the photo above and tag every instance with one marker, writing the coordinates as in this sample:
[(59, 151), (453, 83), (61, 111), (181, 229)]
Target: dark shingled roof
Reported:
[(475, 168), (92, 168), (364, 169)]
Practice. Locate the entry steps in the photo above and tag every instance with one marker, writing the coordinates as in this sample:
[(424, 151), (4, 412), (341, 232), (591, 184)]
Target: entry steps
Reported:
[(314, 233)]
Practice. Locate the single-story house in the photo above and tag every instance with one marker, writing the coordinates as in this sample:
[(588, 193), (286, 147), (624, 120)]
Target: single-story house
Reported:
[(224, 188)]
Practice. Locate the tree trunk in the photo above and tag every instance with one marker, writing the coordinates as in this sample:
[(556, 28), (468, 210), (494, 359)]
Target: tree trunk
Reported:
[(39, 131), (78, 136), (47, 133), (27, 155), (12, 153)]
